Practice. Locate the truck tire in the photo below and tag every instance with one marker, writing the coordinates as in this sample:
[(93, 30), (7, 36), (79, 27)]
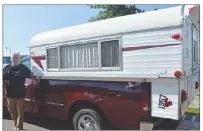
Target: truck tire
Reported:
[(87, 119)]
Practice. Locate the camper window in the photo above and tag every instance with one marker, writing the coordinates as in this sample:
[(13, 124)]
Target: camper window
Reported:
[(79, 56), (52, 58), (194, 46), (195, 52), (97, 55), (110, 53)]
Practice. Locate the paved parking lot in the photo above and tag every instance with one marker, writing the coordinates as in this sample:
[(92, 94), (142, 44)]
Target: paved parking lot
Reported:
[(34, 123)]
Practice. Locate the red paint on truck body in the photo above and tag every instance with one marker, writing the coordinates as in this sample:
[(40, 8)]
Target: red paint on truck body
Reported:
[(120, 105)]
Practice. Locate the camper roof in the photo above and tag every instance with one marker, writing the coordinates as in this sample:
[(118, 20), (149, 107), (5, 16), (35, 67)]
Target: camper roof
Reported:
[(114, 26)]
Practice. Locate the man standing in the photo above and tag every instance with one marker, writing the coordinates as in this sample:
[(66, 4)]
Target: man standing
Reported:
[(14, 76)]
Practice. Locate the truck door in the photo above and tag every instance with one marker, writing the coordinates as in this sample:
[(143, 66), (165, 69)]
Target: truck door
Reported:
[(50, 99)]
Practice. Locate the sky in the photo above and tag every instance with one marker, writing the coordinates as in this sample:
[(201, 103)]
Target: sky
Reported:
[(22, 22)]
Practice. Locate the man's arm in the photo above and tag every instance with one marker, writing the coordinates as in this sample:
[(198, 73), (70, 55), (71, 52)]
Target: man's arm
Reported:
[(27, 72), (5, 72)]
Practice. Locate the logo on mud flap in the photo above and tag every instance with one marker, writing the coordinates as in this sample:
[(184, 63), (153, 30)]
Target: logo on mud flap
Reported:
[(164, 102)]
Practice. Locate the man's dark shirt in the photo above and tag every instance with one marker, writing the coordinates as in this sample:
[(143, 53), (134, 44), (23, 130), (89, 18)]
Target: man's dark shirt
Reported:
[(15, 79)]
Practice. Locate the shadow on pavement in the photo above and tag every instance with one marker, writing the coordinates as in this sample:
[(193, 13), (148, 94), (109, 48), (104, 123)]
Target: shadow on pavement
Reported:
[(168, 124), (45, 122)]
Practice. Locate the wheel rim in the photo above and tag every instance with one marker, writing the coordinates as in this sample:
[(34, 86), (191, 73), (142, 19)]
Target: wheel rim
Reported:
[(86, 122)]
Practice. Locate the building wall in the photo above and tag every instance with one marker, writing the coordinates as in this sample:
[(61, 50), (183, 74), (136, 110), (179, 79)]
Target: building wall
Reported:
[(7, 59)]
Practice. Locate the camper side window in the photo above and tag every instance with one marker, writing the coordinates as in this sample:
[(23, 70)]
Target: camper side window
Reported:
[(194, 47), (52, 58), (99, 55), (79, 56), (195, 52), (110, 53)]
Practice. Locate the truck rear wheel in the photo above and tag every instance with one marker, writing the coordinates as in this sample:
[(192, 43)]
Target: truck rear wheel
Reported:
[(87, 119)]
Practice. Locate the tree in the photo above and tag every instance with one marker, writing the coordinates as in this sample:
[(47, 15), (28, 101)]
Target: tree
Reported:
[(110, 11)]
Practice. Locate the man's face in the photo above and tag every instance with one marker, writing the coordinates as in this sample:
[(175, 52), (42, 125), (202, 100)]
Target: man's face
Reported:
[(15, 60)]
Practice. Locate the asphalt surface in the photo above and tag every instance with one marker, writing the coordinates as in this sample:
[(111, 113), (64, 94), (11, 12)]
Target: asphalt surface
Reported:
[(36, 123), (33, 122)]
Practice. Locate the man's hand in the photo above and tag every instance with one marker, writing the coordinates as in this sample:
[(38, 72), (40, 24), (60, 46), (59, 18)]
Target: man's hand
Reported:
[(34, 80)]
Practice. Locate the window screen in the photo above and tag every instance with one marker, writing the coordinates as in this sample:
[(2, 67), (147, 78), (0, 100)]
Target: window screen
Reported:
[(110, 53), (79, 56), (52, 58)]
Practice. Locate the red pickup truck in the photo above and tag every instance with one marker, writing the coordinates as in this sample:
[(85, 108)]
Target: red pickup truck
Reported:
[(88, 104)]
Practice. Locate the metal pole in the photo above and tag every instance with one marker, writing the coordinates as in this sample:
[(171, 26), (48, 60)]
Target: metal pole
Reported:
[(7, 48)]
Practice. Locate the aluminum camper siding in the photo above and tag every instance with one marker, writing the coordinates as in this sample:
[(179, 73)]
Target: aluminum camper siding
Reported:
[(154, 55), (158, 53)]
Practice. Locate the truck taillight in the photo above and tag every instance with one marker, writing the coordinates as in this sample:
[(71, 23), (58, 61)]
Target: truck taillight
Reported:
[(145, 105), (196, 85), (183, 96)]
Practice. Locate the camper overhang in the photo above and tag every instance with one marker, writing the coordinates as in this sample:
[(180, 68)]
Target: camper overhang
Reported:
[(195, 16), (170, 17)]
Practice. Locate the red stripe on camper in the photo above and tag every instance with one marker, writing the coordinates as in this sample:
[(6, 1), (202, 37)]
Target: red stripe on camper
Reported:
[(38, 59), (146, 47)]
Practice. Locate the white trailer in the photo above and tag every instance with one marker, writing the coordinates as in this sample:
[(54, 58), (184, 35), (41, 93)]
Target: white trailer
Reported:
[(161, 47)]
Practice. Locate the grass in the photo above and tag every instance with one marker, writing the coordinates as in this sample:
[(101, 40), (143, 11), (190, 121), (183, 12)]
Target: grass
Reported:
[(198, 90), (195, 111)]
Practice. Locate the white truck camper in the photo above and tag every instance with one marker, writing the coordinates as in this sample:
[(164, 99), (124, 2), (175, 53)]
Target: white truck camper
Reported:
[(161, 47)]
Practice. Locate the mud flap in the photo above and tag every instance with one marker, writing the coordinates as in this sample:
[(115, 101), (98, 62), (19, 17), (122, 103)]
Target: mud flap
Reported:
[(165, 99)]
